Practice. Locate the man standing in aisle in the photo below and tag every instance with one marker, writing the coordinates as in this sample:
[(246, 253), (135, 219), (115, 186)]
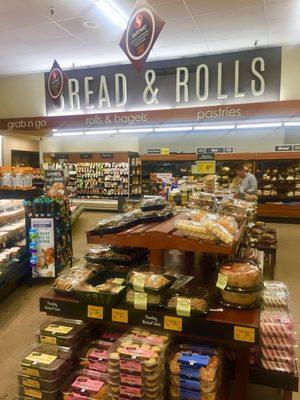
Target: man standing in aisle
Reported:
[(248, 184)]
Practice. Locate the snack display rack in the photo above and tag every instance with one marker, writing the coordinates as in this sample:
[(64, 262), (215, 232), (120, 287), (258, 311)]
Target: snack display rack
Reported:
[(99, 180)]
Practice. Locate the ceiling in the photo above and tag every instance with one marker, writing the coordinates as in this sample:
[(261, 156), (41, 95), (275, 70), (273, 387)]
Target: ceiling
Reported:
[(30, 37)]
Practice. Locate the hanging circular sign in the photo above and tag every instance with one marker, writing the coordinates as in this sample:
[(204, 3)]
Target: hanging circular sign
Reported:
[(140, 33), (56, 83)]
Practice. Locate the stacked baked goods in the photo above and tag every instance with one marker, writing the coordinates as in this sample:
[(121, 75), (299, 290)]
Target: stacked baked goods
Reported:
[(210, 183), (147, 289), (188, 302), (195, 372), (277, 330), (240, 284), (136, 366), (208, 226)]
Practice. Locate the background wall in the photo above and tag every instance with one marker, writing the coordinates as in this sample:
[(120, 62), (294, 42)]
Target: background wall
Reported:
[(17, 143)]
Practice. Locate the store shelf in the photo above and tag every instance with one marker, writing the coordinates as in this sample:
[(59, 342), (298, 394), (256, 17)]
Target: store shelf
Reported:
[(279, 380), (279, 211), (17, 272), (97, 204), (163, 236), (29, 194), (216, 326)]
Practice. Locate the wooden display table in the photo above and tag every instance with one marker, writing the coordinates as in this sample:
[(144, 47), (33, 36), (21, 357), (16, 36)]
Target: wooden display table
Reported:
[(161, 236)]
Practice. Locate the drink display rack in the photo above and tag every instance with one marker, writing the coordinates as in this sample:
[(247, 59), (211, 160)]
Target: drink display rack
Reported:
[(238, 329), (49, 236)]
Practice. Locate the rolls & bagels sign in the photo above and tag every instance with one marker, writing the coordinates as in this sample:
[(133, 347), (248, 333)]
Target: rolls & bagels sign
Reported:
[(232, 78)]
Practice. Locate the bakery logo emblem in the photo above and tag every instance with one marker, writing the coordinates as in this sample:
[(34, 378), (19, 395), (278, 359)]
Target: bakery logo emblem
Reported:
[(56, 82), (141, 33)]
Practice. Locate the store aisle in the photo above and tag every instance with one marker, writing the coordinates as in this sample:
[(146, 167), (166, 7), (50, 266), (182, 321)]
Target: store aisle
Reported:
[(20, 316)]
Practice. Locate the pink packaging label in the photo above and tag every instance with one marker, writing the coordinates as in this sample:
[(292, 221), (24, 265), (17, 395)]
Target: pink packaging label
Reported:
[(96, 366), (130, 391), (132, 351), (131, 379), (150, 339), (84, 383), (98, 355), (131, 366)]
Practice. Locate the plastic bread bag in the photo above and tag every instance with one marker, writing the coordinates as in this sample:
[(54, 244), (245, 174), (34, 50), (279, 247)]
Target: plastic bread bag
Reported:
[(218, 231), (229, 223), (194, 229)]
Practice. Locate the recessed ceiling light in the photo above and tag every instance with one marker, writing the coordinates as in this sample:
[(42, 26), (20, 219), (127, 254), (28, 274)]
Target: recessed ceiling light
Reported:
[(90, 24)]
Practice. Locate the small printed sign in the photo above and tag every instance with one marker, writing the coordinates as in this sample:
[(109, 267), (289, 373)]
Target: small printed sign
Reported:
[(173, 323), (244, 334), (206, 167), (207, 157), (283, 147), (296, 147), (222, 281), (141, 33), (95, 312), (106, 155), (214, 149), (118, 315), (163, 150)]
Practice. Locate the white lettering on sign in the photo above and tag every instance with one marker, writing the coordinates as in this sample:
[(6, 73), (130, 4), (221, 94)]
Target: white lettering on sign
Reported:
[(87, 91), (182, 84), (227, 112), (28, 124), (258, 75)]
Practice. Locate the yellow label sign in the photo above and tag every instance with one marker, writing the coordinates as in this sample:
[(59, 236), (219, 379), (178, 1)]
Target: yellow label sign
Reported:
[(41, 358), (64, 330), (244, 334), (164, 150), (183, 307), (48, 339), (173, 323), (138, 282), (30, 382), (36, 394), (95, 312), (118, 281), (118, 315), (222, 281), (31, 372), (140, 301), (206, 167)]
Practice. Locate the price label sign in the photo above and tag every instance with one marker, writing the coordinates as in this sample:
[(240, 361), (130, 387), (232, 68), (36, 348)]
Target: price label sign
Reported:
[(173, 323), (243, 334), (118, 315), (95, 312), (222, 281)]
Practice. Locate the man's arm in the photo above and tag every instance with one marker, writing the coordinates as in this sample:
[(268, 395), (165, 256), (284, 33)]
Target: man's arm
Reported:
[(253, 185)]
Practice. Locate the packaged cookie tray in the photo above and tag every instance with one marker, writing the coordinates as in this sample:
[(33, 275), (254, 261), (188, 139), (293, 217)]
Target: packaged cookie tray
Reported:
[(94, 358), (285, 367), (149, 282), (135, 392), (191, 383), (137, 300), (276, 329), (277, 343), (153, 338), (149, 396), (84, 387), (188, 302), (286, 356), (106, 255), (65, 333), (41, 384), (160, 217), (185, 394), (46, 362), (114, 228), (103, 298), (32, 393)]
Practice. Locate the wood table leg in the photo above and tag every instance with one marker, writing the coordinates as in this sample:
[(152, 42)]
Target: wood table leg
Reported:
[(157, 260), (287, 395), (242, 370), (189, 262)]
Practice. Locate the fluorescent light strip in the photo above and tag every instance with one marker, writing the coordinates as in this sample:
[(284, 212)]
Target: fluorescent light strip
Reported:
[(104, 132), (137, 130), (77, 133), (54, 130), (174, 129), (112, 12), (253, 126), (292, 123), (213, 127)]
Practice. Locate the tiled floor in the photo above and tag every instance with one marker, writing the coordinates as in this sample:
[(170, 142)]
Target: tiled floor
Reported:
[(20, 316)]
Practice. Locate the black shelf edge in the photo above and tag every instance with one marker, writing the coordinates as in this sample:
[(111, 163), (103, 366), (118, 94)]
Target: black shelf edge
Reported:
[(275, 379)]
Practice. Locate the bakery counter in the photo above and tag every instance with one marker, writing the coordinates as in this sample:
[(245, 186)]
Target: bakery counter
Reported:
[(235, 327), (279, 211)]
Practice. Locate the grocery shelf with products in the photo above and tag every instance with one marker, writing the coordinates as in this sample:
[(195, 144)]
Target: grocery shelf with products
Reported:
[(130, 279), (93, 176)]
